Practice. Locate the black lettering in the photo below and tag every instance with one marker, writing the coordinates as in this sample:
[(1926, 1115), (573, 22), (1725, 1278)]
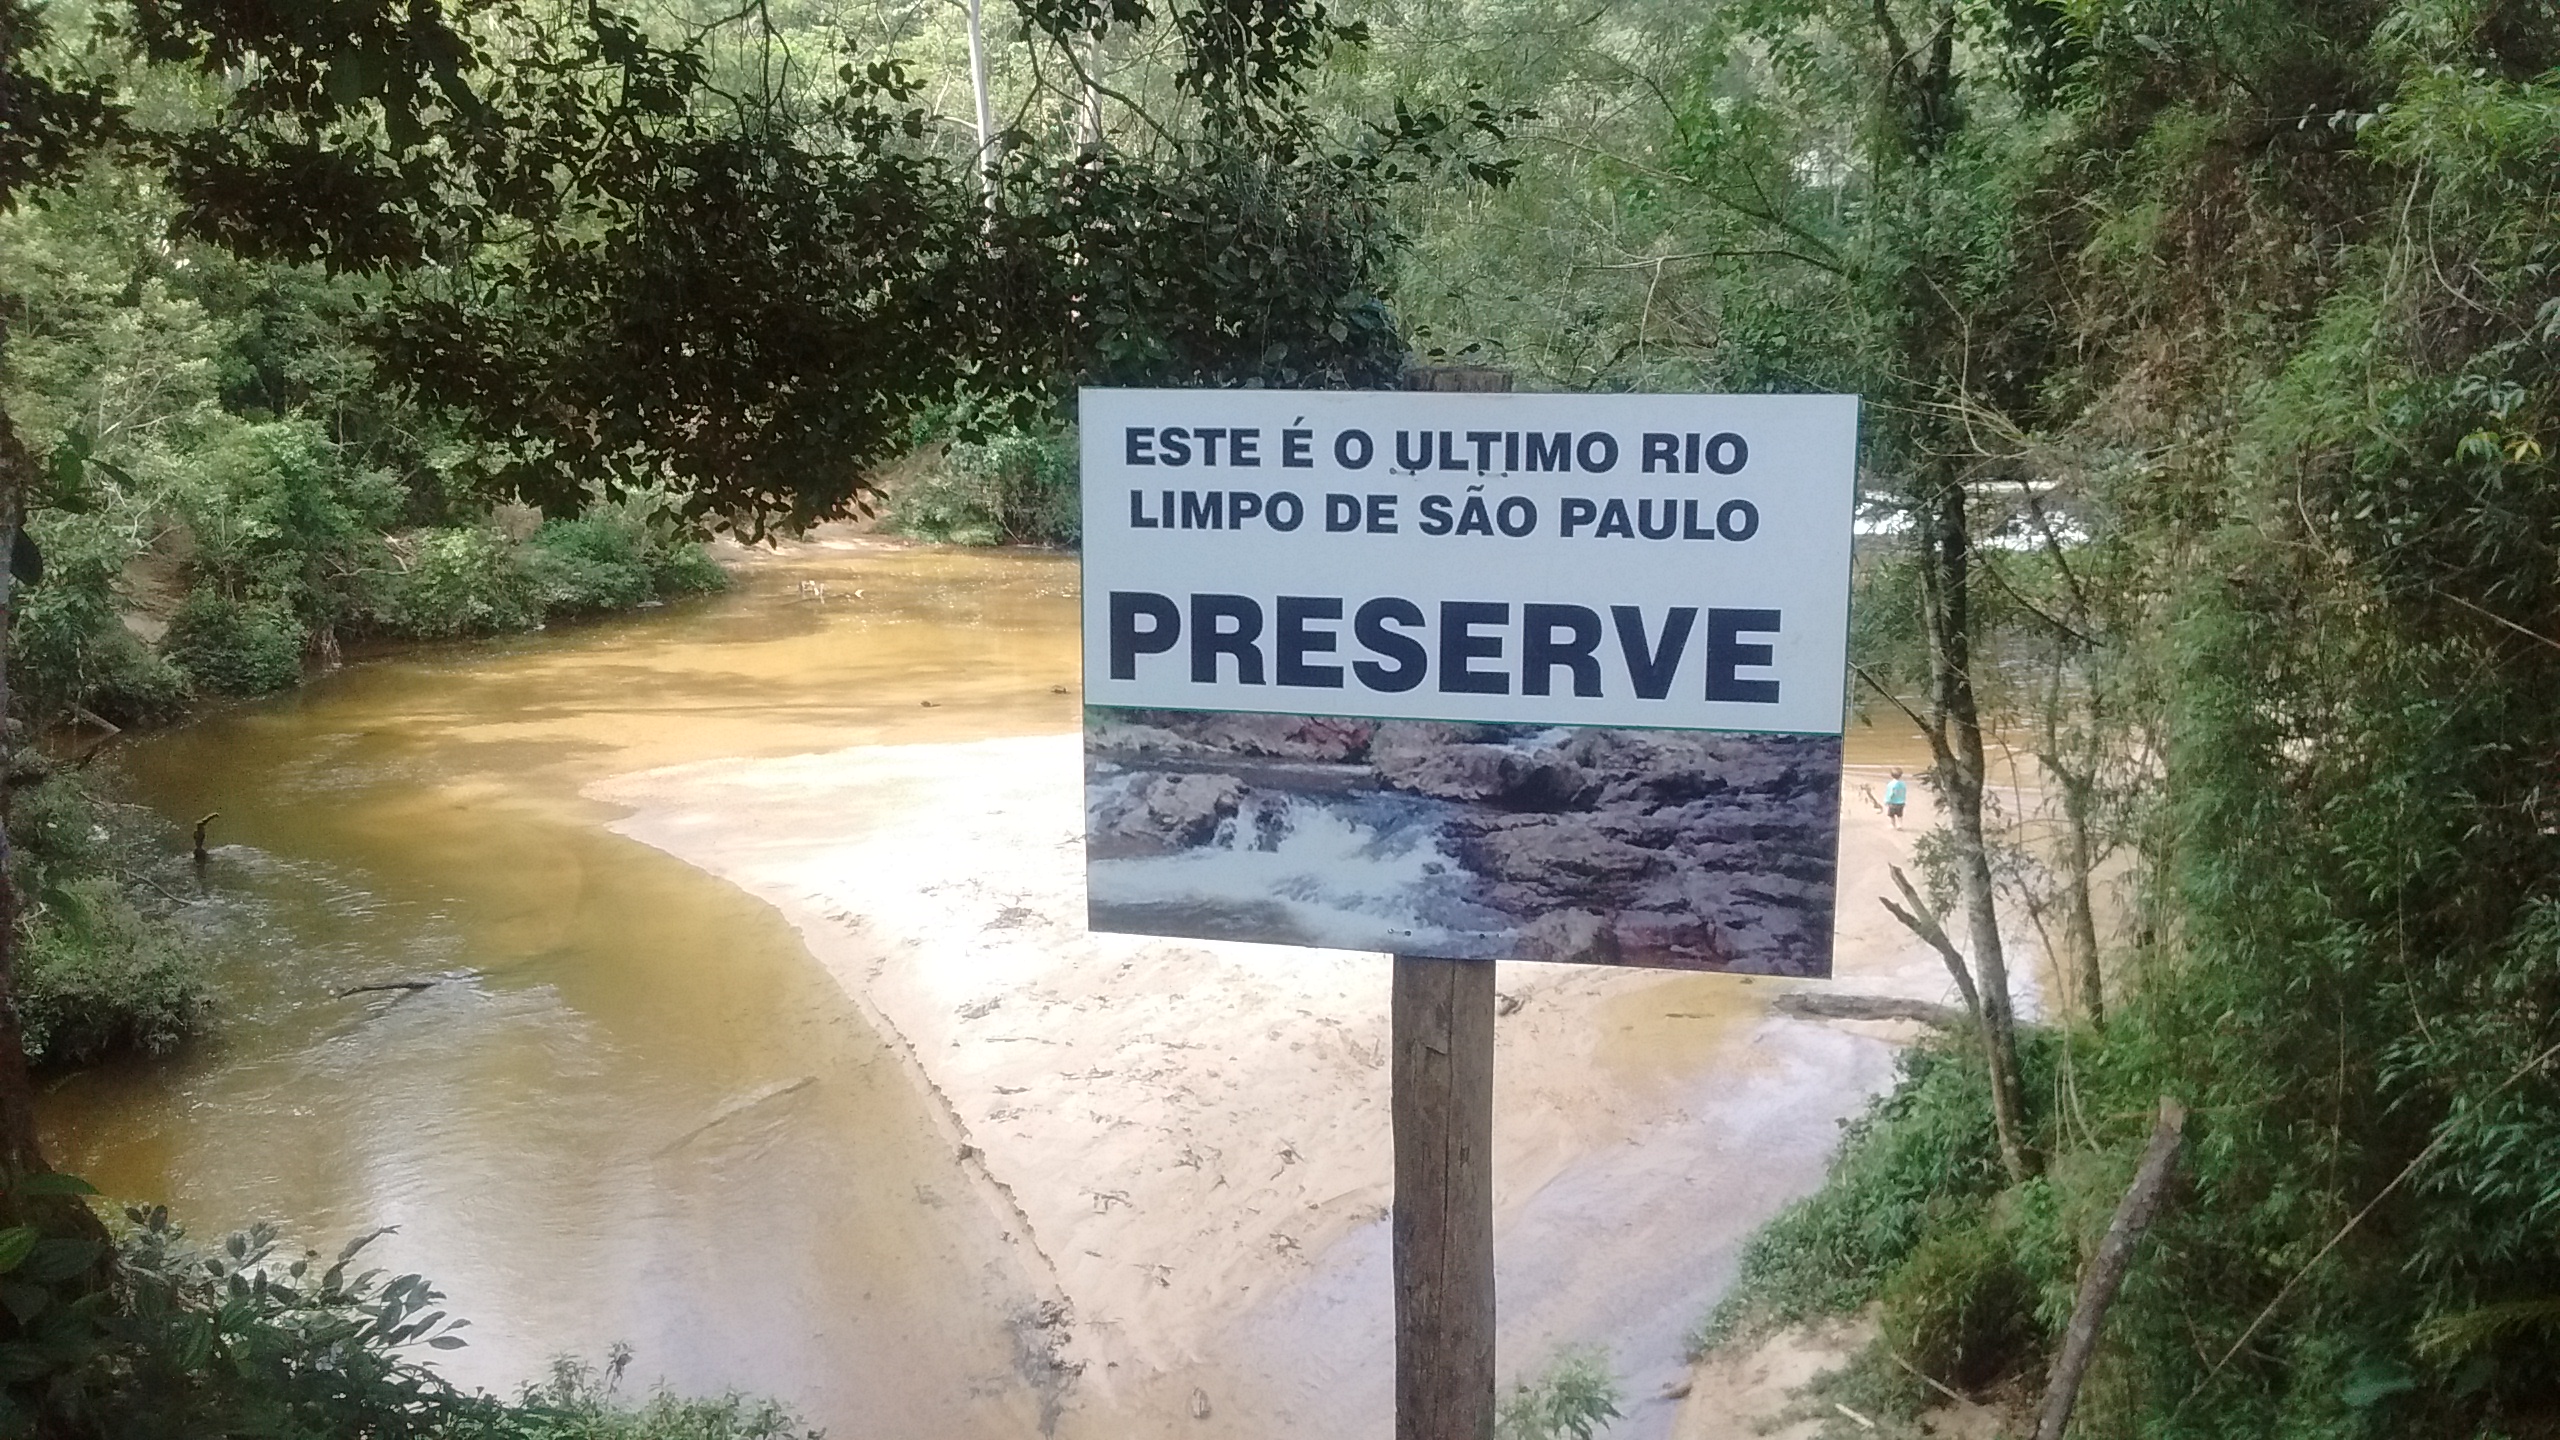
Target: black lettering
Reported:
[(1435, 515), (1294, 448), (1382, 514), (1128, 642), (1460, 644), (1551, 452), (1406, 459), (1173, 446), (1689, 464), (1597, 452), (1653, 667), (1541, 652), (1483, 441), (1661, 452), (1242, 505), (1578, 511), (1644, 520), (1737, 519), (1243, 448), (1285, 512), (1292, 641), (1353, 449), (1412, 662), (1726, 453), (1200, 510), (1208, 436), (1726, 653), (1208, 641), (1613, 519), (1138, 512), (1341, 513), (1689, 527), (1510, 451), (1139, 448), (1517, 515), (1449, 453), (1473, 518)]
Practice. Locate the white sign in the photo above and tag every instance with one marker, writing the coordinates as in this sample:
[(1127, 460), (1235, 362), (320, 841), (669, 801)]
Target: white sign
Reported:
[(1671, 561)]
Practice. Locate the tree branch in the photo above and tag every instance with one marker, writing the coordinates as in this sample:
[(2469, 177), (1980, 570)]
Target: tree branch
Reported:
[(1923, 922), (2105, 1275)]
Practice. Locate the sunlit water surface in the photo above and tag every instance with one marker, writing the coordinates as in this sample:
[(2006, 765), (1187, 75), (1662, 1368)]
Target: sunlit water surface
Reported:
[(632, 1108)]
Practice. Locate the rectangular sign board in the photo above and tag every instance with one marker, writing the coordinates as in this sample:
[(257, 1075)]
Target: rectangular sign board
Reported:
[(1485, 676)]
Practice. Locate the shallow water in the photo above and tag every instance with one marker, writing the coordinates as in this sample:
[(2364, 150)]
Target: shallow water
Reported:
[(631, 1108)]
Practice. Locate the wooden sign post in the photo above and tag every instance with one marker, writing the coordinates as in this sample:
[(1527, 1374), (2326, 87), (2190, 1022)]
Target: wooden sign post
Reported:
[(1443, 1105)]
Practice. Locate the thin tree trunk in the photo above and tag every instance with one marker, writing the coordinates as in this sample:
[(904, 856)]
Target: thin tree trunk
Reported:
[(986, 160), (1089, 121), (2079, 915), (1957, 745)]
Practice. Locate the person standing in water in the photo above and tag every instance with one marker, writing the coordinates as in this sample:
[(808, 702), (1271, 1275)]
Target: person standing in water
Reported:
[(1896, 795)]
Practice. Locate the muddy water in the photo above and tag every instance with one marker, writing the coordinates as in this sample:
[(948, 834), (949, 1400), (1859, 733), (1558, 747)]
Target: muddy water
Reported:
[(630, 1107)]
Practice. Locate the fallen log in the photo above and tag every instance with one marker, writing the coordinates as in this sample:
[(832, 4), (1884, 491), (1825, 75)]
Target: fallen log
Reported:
[(1825, 1005)]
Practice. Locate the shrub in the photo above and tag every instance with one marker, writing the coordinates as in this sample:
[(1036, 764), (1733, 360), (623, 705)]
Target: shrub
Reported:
[(68, 645), (96, 974), (1574, 1399), (1918, 1151), (1958, 1307), (445, 583), (234, 647), (96, 977), (187, 1342), (680, 568), (1016, 488), (595, 563), (580, 1402)]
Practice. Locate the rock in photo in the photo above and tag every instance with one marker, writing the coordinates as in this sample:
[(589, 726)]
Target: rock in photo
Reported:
[(1687, 849)]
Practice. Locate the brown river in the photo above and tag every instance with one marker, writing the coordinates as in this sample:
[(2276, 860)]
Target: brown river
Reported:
[(631, 1108)]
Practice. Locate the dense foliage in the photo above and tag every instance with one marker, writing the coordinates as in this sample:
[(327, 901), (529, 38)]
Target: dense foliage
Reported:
[(182, 1341), (2210, 354)]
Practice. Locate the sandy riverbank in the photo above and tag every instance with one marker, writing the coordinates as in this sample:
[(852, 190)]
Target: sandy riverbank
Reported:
[(1188, 1141)]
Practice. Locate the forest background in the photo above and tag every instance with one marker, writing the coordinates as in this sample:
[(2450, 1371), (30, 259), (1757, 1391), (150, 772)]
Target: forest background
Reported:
[(2209, 349)]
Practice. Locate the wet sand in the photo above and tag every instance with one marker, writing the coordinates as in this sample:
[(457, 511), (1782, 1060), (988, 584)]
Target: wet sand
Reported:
[(1189, 1140)]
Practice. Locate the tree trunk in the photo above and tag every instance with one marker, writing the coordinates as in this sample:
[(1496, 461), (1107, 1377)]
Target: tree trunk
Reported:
[(1946, 555), (1089, 117), (2079, 858), (986, 159)]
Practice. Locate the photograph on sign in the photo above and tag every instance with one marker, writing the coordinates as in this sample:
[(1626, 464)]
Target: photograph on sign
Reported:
[(1483, 676)]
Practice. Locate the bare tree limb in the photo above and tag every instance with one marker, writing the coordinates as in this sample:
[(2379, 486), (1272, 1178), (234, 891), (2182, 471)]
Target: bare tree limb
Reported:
[(1923, 922), (2105, 1275)]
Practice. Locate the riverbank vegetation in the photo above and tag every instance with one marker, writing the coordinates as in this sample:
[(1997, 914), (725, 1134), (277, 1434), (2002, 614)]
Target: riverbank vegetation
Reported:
[(2211, 356)]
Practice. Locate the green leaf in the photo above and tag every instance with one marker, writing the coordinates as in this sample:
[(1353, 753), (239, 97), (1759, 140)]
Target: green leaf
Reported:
[(54, 1183), (23, 1300), (15, 1242), (53, 1260)]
